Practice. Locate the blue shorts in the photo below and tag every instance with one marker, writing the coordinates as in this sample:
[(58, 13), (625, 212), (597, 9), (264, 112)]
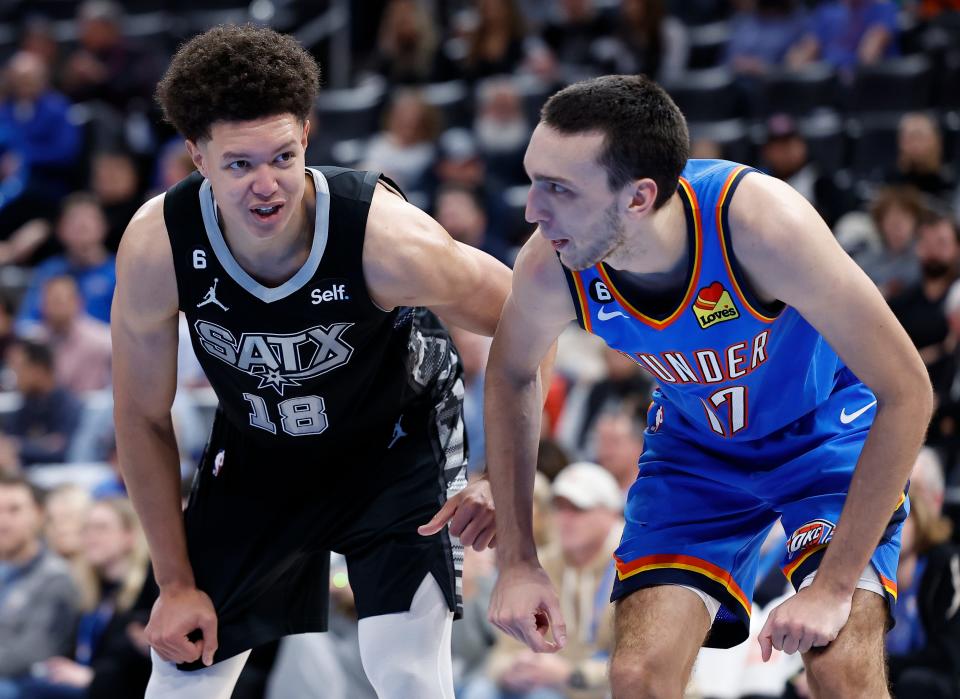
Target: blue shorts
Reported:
[(700, 508)]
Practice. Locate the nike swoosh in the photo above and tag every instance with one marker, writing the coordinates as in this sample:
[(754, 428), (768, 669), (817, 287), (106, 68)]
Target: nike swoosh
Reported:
[(603, 315), (847, 419)]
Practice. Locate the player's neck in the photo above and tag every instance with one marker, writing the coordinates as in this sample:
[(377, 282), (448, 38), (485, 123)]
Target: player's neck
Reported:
[(272, 261), (656, 249)]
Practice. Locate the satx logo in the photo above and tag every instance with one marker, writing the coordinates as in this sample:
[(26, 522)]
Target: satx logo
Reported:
[(714, 305), (278, 360), (813, 533)]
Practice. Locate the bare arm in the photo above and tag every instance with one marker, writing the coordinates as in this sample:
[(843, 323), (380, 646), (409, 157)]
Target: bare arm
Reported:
[(536, 312), (144, 331), (838, 299), (410, 260), (789, 253)]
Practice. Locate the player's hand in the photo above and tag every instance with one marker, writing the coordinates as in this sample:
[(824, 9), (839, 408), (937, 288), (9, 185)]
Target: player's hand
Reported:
[(470, 514), (811, 618), (178, 612), (524, 605)]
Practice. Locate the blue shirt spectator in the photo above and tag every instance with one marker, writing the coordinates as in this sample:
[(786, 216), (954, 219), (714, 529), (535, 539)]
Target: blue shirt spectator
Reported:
[(847, 33), (82, 229), (760, 38)]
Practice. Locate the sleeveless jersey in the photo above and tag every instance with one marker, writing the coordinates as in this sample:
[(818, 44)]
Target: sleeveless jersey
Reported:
[(731, 364), (311, 362)]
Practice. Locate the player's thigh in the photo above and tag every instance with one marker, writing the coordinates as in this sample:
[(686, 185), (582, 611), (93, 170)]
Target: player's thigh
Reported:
[(853, 664), (658, 632)]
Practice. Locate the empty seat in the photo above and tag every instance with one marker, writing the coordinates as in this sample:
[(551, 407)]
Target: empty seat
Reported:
[(350, 113), (799, 92), (704, 95), (874, 144), (452, 99), (732, 135), (897, 85), (826, 140), (708, 43)]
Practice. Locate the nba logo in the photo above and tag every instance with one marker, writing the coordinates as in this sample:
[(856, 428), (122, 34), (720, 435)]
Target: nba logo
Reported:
[(657, 419), (218, 462)]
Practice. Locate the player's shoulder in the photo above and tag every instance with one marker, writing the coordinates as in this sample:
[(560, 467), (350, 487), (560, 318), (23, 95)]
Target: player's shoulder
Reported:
[(765, 208), (145, 242)]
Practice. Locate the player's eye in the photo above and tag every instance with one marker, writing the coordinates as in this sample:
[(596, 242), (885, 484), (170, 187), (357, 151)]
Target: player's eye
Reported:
[(285, 157), (239, 164), (557, 188)]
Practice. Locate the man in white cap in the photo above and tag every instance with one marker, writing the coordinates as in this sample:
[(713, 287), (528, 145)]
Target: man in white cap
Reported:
[(587, 521)]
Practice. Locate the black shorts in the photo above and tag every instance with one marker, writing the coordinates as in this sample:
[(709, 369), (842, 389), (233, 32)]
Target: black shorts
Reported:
[(260, 523)]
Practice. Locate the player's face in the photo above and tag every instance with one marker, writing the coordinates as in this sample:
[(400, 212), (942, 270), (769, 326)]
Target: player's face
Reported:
[(570, 199), (256, 170)]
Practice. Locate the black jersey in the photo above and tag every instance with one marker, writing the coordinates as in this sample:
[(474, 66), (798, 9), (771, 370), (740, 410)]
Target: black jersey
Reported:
[(313, 361)]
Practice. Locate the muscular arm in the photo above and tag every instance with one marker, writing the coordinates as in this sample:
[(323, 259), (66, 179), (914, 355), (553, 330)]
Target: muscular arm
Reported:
[(144, 329), (536, 312), (409, 260), (789, 253)]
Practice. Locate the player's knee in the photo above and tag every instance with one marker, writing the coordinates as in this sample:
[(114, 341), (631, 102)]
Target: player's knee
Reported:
[(644, 676), (845, 672), (402, 680)]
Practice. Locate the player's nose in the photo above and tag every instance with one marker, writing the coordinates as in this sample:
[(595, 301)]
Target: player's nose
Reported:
[(534, 212), (264, 181)]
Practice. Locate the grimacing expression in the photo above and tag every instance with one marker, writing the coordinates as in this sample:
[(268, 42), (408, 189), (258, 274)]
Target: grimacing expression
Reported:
[(570, 198), (256, 170)]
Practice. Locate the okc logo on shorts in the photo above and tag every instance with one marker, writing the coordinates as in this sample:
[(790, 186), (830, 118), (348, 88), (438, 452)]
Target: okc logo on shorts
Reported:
[(814, 533), (714, 305)]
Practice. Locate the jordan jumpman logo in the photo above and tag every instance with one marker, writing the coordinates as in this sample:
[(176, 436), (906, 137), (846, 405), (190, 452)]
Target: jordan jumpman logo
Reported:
[(211, 296), (397, 433)]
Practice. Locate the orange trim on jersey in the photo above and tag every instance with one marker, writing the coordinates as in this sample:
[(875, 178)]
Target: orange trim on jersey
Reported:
[(888, 585), (626, 569), (694, 277), (723, 246), (789, 569), (582, 300), (903, 496)]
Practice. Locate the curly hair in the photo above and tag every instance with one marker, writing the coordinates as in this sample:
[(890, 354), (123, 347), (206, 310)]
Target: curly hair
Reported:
[(237, 73)]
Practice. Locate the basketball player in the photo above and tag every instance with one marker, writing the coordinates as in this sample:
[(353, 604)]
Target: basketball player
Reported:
[(729, 289), (340, 417)]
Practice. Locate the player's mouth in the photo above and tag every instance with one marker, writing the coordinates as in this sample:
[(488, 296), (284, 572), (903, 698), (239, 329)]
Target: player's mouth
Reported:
[(560, 243), (266, 212)]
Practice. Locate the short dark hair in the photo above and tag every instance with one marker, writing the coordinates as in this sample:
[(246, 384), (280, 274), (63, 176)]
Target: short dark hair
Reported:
[(36, 352), (237, 73), (935, 214), (645, 132), (15, 480)]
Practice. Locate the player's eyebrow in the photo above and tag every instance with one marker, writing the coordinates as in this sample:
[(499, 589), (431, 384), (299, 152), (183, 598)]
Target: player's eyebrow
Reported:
[(539, 177), (240, 155)]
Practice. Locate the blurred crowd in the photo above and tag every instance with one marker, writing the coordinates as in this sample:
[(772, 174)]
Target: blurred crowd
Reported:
[(855, 103)]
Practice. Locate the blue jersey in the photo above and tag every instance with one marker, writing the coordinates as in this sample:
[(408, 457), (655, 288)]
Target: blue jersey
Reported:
[(734, 366)]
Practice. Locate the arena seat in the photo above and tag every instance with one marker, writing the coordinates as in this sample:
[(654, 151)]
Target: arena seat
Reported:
[(901, 84)]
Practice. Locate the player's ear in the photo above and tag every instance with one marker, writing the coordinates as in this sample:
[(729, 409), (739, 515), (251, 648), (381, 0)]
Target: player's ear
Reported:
[(196, 155), (306, 133), (641, 196)]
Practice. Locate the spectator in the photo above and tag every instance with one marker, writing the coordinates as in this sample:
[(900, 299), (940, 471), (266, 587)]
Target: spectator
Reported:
[(473, 635), (587, 506), (786, 157), (66, 510), (920, 308), (405, 149), (460, 211), (924, 645), (82, 229), (173, 164), (496, 45), (895, 213), (647, 41), (39, 145), (38, 597), (920, 157), (112, 574), (116, 185), (848, 33), (7, 379), (761, 33), (502, 129), (39, 431), (408, 46), (106, 66), (80, 344), (619, 442)]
